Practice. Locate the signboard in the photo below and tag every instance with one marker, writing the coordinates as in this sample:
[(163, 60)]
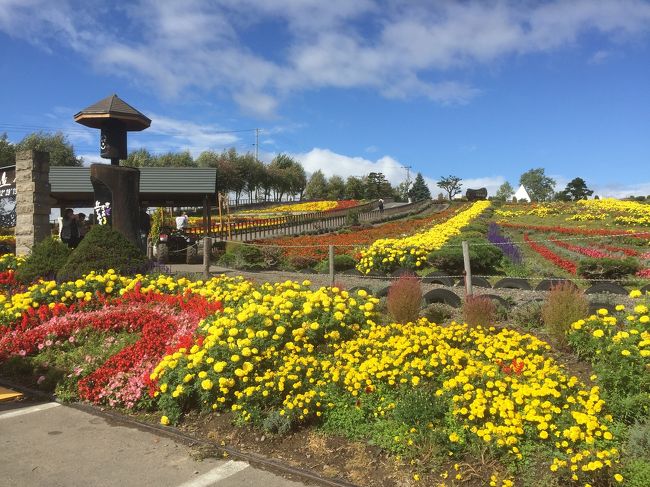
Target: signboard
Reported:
[(103, 200), (8, 197)]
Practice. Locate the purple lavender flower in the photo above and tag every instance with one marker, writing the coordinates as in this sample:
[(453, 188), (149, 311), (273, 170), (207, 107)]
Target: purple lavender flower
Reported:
[(507, 246)]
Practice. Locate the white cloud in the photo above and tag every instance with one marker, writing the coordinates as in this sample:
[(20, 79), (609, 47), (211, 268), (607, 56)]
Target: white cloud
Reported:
[(621, 190), (175, 134), (599, 57), (400, 50), (332, 164)]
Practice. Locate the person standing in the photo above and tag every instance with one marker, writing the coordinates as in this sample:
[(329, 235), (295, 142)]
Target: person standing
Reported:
[(182, 221), (381, 206), (83, 225), (69, 229)]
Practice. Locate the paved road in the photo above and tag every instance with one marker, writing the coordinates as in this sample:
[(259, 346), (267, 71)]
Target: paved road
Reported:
[(46, 444)]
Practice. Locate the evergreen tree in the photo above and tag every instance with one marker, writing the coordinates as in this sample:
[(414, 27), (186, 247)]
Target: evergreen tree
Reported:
[(575, 190), (377, 186), (420, 190)]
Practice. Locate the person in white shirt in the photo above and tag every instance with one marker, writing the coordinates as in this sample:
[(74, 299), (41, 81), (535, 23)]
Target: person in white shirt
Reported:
[(182, 221)]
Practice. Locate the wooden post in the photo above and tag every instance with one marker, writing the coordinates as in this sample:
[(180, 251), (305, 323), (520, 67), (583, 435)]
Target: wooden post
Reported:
[(331, 258), (468, 270), (207, 253)]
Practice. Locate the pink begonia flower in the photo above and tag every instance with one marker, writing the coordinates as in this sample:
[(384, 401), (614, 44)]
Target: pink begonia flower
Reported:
[(41, 346), (22, 353), (71, 339), (48, 343)]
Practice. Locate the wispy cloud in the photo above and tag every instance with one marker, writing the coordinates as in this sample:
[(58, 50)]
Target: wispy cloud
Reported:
[(599, 57), (400, 50)]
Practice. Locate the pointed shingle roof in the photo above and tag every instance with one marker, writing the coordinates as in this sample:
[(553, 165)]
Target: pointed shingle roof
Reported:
[(112, 107)]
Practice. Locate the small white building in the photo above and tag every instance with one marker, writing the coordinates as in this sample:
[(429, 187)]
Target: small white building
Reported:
[(522, 194)]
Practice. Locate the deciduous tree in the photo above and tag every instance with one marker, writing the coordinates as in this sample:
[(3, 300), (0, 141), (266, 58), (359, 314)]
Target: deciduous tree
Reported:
[(539, 186), (316, 186), (60, 149), (451, 184), (7, 151), (505, 192)]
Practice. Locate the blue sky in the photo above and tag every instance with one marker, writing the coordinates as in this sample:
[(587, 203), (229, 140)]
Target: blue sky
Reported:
[(481, 90)]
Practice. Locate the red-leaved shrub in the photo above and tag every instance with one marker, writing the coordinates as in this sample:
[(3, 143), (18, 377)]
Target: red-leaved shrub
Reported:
[(404, 299), (479, 311), (564, 305)]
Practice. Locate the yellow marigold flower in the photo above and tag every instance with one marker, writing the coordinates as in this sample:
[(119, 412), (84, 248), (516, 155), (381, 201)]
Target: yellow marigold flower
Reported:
[(598, 333), (618, 477), (207, 384), (454, 438), (625, 353), (164, 420)]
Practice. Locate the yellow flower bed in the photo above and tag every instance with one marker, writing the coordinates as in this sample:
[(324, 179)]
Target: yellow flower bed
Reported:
[(388, 253), (503, 386), (585, 217), (307, 207), (634, 213)]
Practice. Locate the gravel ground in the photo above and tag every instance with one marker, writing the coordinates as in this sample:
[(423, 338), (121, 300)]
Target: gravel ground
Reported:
[(375, 284)]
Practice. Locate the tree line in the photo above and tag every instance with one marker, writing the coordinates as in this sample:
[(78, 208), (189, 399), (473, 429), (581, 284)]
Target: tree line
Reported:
[(238, 173)]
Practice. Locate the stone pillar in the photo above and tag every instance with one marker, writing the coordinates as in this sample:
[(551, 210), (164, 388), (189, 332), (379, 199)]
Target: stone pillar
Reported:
[(32, 199)]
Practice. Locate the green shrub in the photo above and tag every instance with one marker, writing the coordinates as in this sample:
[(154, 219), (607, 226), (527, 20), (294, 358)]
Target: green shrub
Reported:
[(404, 299), (607, 268), (245, 257), (528, 315), (565, 304), (302, 262), (45, 260), (101, 249), (479, 311), (484, 259), (438, 313), (342, 262), (637, 473), (352, 218)]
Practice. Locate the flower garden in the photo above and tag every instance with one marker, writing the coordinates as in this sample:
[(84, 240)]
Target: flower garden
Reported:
[(450, 403)]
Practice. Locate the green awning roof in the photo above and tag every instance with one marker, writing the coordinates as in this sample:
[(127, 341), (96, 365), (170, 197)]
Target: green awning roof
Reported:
[(158, 185)]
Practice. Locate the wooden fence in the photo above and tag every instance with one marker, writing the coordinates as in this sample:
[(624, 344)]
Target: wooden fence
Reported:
[(309, 222)]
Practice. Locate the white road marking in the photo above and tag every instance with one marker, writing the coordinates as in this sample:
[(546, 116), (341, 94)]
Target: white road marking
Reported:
[(33, 409), (216, 474)]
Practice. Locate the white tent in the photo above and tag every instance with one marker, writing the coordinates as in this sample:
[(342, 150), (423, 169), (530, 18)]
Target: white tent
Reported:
[(522, 194)]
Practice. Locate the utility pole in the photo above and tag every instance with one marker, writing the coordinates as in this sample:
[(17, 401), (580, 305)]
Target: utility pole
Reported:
[(408, 174), (257, 145)]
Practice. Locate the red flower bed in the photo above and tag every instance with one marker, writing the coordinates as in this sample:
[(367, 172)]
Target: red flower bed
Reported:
[(163, 321), (551, 256), (597, 254), (624, 250)]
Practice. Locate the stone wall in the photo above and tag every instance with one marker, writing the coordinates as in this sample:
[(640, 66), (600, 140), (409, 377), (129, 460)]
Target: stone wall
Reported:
[(33, 202)]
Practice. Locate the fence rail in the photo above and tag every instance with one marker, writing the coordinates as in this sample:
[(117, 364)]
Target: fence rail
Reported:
[(308, 222)]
